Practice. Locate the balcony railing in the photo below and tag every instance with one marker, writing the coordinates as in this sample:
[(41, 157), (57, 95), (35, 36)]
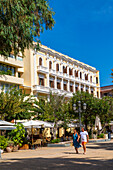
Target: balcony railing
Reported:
[(12, 61), (42, 69), (12, 79)]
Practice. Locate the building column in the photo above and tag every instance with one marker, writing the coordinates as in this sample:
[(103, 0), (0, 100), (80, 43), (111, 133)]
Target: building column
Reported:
[(47, 80), (62, 84), (89, 90), (55, 82), (99, 92), (35, 69), (84, 88), (95, 92), (79, 87), (68, 86)]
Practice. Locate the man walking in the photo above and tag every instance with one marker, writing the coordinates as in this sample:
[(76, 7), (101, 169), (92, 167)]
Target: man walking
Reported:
[(84, 139)]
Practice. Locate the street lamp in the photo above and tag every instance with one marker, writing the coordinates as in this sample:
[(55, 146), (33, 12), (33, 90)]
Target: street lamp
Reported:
[(79, 110)]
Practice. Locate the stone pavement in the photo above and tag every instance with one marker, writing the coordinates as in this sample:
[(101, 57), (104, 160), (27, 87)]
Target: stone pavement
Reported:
[(99, 157)]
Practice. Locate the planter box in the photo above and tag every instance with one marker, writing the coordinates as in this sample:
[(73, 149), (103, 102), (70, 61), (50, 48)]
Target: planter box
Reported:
[(24, 147)]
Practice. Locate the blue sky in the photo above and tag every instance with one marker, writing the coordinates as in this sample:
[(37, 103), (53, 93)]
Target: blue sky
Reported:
[(84, 31)]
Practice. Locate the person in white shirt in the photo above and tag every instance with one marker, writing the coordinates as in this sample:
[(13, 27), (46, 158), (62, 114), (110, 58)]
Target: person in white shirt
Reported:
[(84, 139)]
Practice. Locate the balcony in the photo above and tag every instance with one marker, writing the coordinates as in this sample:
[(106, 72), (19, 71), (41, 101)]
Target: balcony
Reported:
[(12, 79), (12, 61), (43, 89), (53, 72), (42, 69)]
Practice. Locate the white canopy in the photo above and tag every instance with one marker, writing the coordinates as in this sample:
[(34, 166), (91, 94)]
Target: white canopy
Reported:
[(5, 123), (46, 124), (31, 123), (7, 127)]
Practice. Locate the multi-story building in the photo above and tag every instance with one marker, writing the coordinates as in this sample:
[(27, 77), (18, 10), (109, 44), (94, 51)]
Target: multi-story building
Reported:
[(11, 70), (47, 70), (106, 91)]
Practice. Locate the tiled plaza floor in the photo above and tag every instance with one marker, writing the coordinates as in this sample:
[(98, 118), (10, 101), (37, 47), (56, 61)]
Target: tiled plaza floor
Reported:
[(99, 157)]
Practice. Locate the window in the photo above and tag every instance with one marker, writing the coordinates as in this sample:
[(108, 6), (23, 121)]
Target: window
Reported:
[(76, 89), (70, 71), (91, 79), (58, 85), (57, 67), (76, 73), (41, 81), (80, 75), (96, 80), (50, 65), (65, 87), (64, 69), (71, 88), (51, 84), (86, 76), (40, 61)]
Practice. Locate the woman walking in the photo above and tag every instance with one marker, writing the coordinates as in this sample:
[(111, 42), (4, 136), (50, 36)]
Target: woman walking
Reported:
[(76, 138)]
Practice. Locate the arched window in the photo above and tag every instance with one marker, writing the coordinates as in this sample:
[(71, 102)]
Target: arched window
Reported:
[(76, 73), (57, 67), (40, 61), (80, 75), (50, 65), (91, 79)]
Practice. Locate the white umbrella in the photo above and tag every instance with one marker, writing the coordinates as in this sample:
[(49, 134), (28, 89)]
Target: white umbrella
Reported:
[(46, 124), (32, 123), (7, 127), (5, 123)]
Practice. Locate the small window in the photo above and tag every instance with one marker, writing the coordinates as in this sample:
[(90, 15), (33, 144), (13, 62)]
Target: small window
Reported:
[(50, 65), (76, 73), (41, 81), (91, 79), (80, 75), (57, 67), (40, 61), (96, 80)]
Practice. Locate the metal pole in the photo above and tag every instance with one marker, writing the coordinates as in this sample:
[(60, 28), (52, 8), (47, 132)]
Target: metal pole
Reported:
[(0, 154), (79, 110)]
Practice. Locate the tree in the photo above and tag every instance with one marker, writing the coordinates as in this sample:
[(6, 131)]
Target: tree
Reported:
[(95, 107), (54, 110), (106, 113), (21, 22), (13, 103)]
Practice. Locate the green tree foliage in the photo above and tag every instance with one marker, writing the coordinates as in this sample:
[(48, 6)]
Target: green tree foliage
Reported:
[(21, 22), (54, 110), (13, 105), (94, 107), (17, 135)]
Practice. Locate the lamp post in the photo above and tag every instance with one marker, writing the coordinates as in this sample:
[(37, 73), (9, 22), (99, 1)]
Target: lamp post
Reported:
[(79, 111)]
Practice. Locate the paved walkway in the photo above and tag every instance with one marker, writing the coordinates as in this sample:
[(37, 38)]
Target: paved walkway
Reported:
[(99, 157)]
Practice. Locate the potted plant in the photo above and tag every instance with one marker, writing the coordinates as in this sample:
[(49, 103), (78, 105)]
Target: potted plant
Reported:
[(25, 144), (10, 145), (3, 143), (17, 136)]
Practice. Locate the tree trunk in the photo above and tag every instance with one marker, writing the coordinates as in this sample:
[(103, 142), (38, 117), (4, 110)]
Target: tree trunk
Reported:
[(54, 132)]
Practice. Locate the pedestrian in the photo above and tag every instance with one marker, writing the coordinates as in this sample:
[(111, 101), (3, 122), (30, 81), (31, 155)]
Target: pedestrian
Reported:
[(76, 138), (84, 139)]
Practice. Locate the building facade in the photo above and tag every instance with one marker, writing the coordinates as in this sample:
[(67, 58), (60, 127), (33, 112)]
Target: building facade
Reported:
[(50, 70), (106, 91), (11, 71)]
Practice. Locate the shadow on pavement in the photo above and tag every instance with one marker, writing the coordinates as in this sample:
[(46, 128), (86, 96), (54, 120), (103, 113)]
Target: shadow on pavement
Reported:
[(106, 146), (56, 164)]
